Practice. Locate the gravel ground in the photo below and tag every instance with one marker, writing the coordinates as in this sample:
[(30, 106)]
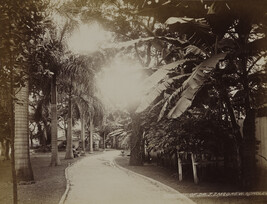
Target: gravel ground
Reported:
[(50, 182), (198, 193), (97, 180)]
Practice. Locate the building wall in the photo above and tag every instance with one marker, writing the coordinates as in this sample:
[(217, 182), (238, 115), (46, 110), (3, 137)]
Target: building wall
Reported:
[(261, 135)]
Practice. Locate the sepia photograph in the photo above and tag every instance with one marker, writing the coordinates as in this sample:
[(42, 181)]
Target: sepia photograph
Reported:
[(133, 102)]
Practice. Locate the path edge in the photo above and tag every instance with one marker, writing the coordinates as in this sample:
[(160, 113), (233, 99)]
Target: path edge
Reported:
[(64, 196), (154, 182), (68, 184)]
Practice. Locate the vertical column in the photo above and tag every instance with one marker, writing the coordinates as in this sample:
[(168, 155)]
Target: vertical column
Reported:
[(180, 168), (196, 180)]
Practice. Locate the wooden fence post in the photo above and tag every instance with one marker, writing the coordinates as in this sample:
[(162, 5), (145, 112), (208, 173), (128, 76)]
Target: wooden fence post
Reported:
[(196, 180), (180, 168)]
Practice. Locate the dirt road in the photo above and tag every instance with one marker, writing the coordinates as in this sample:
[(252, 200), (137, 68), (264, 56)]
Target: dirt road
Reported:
[(96, 180)]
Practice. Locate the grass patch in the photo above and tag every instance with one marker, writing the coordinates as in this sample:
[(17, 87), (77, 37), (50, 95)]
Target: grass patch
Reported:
[(49, 186), (5, 182), (170, 178)]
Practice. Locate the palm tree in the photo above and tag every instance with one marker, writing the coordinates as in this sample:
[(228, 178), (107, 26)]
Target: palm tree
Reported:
[(95, 113), (55, 161), (22, 155), (91, 114), (69, 150), (74, 80), (16, 33), (83, 109), (55, 51), (91, 130), (83, 133)]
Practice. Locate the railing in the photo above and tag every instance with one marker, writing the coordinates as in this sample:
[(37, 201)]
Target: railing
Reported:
[(202, 159)]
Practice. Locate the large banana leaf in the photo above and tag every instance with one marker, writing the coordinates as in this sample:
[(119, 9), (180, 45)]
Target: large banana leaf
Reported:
[(157, 91), (161, 72), (187, 92), (154, 40), (173, 20), (197, 29), (152, 87), (126, 44), (194, 50), (116, 132), (162, 10)]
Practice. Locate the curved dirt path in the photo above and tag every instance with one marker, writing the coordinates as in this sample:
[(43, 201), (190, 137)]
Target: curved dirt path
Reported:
[(96, 180)]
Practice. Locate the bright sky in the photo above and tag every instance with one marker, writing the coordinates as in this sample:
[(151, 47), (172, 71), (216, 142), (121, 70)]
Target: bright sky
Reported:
[(88, 38), (120, 82)]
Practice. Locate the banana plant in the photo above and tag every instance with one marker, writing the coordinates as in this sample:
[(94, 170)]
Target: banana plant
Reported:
[(185, 94)]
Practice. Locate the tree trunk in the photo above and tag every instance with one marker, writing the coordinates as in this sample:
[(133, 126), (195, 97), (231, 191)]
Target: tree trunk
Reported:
[(104, 141), (235, 127), (69, 151), (41, 134), (249, 151), (12, 132), (31, 140), (249, 146), (44, 138), (7, 149), (91, 135), (54, 151), (3, 146), (136, 158), (82, 133), (21, 144)]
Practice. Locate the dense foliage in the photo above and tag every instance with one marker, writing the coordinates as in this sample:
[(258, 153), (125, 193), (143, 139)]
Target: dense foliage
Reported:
[(222, 46), (206, 62)]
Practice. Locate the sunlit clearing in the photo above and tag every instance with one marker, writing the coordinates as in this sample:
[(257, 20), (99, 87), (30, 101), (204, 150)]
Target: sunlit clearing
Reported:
[(121, 83), (88, 38)]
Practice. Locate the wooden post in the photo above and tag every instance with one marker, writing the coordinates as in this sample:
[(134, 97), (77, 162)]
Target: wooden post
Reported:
[(82, 135), (194, 168), (104, 141), (91, 136), (180, 168)]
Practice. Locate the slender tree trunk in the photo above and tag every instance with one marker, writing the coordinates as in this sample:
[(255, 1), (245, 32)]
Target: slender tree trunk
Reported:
[(235, 127), (31, 140), (22, 154), (104, 141), (82, 133), (136, 158), (44, 138), (3, 147), (249, 151), (249, 138), (7, 149), (54, 152), (12, 132), (41, 133), (69, 151), (66, 132), (91, 135)]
